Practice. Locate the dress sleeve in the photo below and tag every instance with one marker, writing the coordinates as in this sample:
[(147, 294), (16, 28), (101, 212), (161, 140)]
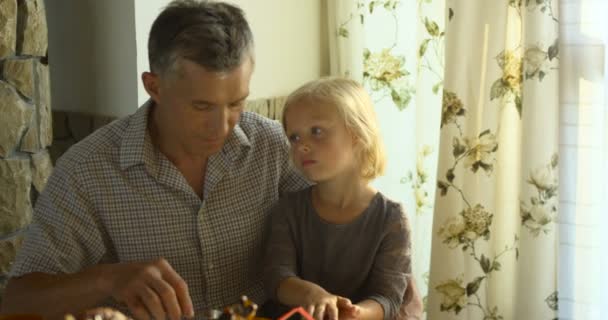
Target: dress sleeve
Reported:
[(392, 264), (280, 260)]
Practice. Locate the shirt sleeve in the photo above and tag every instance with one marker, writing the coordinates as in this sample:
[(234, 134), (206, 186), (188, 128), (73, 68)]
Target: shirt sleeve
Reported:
[(392, 265), (280, 261), (64, 236)]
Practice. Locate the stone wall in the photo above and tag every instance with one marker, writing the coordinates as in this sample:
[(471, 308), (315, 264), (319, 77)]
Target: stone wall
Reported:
[(25, 120)]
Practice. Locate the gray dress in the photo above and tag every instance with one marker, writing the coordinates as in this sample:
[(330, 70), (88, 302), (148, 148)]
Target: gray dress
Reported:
[(368, 258)]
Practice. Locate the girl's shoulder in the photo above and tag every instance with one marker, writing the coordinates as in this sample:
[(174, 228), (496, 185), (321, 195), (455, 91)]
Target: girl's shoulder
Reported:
[(393, 212), (391, 208), (292, 203), (294, 197)]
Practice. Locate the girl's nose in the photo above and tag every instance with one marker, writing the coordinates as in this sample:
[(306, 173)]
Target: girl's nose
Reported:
[(304, 148)]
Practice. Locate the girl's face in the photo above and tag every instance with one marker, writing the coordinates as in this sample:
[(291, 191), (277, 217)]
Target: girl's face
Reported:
[(321, 146)]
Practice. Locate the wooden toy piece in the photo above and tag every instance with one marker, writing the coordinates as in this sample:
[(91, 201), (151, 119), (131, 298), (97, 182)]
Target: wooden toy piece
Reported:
[(245, 310)]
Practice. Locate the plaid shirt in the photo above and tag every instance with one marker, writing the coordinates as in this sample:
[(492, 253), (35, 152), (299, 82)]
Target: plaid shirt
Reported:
[(113, 197)]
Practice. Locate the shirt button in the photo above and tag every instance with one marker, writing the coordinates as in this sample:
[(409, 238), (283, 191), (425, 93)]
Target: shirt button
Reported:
[(210, 266)]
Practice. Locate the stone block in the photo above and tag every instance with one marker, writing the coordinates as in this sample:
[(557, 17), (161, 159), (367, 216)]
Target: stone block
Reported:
[(20, 73), (41, 169), (16, 117), (8, 28), (3, 281), (43, 102), (8, 252), (32, 38), (15, 203), (31, 140)]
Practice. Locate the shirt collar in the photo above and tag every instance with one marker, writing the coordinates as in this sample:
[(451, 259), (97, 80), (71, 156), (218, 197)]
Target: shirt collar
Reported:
[(137, 148), (136, 144)]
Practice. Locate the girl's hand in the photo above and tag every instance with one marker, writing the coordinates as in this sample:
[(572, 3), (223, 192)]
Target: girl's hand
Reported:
[(347, 310), (322, 305)]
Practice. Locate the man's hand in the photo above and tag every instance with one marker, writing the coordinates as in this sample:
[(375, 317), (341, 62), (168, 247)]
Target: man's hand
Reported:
[(151, 290)]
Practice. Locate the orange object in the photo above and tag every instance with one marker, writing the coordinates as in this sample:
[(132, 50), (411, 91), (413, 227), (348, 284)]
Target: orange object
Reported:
[(299, 310)]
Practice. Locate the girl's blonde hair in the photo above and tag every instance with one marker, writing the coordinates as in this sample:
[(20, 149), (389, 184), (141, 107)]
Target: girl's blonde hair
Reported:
[(355, 106)]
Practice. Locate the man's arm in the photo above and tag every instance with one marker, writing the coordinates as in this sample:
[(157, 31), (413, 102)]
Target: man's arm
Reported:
[(56, 270), (52, 296), (150, 290)]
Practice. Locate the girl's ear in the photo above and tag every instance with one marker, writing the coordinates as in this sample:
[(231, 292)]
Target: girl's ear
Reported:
[(354, 138), (356, 145)]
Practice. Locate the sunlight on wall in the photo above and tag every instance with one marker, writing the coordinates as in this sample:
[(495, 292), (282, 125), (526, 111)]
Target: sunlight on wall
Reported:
[(289, 37)]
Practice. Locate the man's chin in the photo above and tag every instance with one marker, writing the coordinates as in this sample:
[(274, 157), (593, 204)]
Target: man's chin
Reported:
[(211, 148)]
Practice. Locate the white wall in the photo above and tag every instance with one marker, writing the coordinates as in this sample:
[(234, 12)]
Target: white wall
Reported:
[(92, 56), (98, 50), (289, 35)]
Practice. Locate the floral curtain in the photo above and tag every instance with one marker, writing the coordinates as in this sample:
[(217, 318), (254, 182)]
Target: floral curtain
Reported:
[(494, 253), (396, 49), (467, 98)]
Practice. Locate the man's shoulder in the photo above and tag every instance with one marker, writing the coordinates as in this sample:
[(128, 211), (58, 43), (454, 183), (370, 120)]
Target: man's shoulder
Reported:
[(255, 126), (103, 141)]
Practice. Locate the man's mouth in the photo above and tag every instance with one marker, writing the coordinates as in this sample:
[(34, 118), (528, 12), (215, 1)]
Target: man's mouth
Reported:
[(213, 140)]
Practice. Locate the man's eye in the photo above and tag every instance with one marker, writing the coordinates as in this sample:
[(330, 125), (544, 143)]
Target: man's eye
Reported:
[(202, 107), (294, 138), (237, 105), (315, 131)]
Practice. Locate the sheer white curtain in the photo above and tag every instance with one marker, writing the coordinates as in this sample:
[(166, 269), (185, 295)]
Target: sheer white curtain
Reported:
[(583, 249)]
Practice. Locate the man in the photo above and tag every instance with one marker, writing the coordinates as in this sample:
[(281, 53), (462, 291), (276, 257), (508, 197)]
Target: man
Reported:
[(164, 211)]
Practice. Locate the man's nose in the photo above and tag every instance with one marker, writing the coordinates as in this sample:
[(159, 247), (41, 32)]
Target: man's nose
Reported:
[(221, 123)]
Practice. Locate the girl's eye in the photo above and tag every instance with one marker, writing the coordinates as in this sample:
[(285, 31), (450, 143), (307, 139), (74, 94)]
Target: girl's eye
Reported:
[(294, 138), (315, 131)]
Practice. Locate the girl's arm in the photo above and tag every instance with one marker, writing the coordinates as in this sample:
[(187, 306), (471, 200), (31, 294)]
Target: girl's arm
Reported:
[(370, 310), (318, 302), (388, 280)]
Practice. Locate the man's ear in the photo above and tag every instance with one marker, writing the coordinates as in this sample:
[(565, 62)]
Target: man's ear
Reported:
[(151, 83)]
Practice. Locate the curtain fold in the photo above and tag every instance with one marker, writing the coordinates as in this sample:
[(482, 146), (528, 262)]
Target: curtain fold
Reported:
[(494, 252), (467, 97)]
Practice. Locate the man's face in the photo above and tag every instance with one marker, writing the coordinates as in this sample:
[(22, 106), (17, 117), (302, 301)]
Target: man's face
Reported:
[(198, 108)]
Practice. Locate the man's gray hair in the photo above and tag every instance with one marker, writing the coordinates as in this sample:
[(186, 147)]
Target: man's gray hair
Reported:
[(215, 35)]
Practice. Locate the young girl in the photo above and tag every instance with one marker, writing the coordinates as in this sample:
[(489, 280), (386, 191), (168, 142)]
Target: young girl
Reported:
[(339, 248)]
